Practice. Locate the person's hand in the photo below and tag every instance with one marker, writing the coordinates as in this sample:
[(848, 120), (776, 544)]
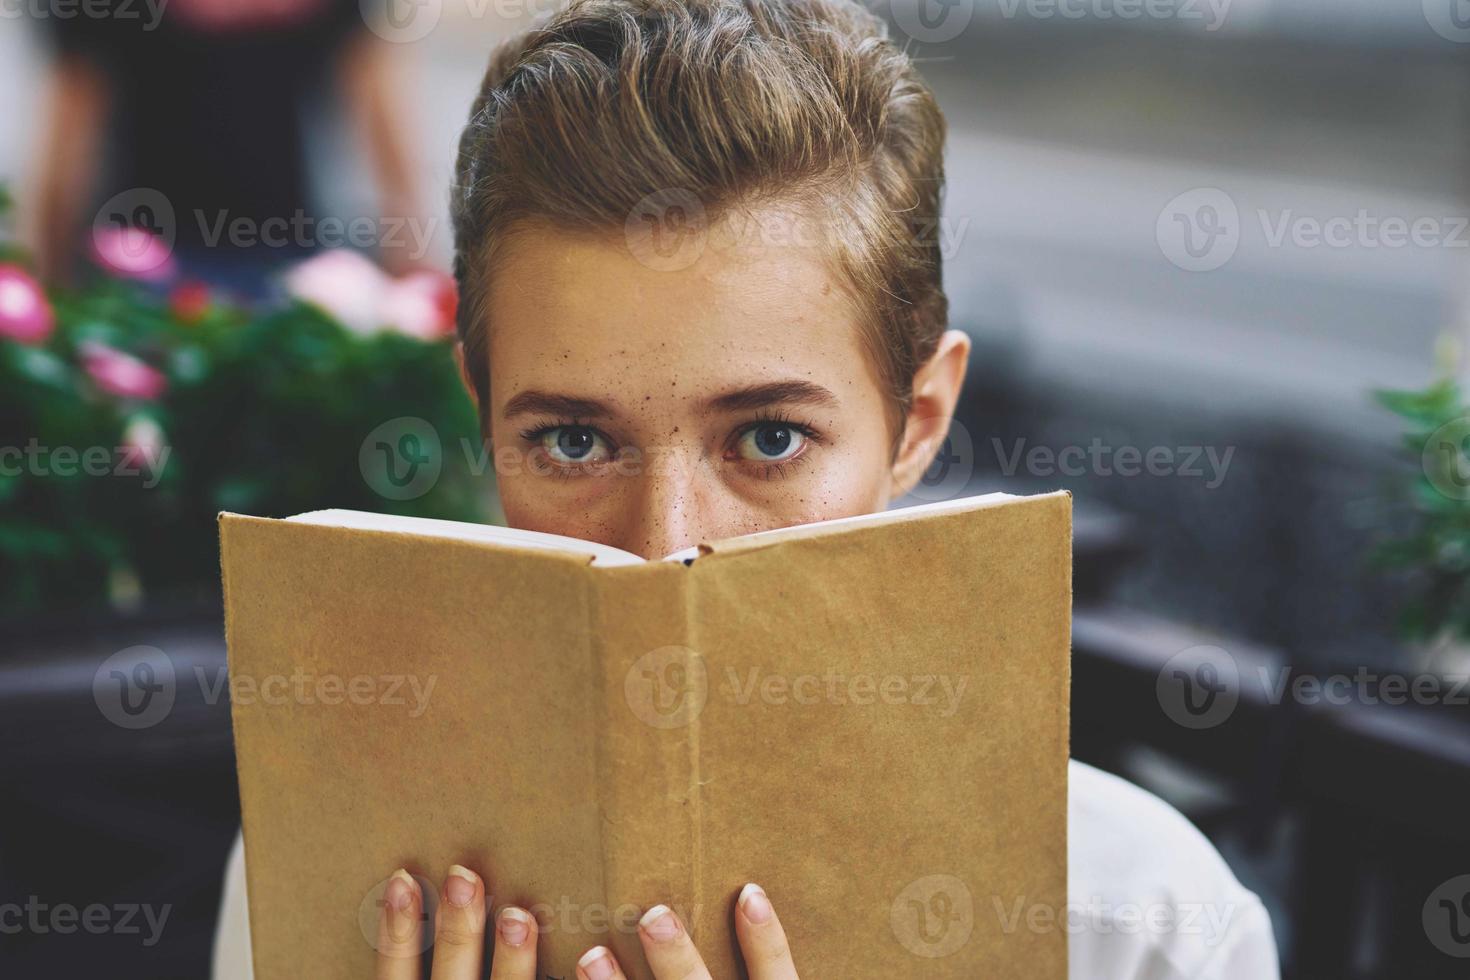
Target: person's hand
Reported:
[(459, 937)]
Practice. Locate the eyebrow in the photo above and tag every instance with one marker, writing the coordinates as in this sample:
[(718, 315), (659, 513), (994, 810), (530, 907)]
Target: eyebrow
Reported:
[(794, 392), (533, 401), (747, 398)]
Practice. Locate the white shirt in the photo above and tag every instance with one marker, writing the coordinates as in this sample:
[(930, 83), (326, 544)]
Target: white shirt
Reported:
[(1149, 897)]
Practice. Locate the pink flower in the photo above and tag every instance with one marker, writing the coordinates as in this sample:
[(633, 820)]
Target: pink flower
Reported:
[(121, 374), (132, 253), (351, 289), (343, 284), (24, 313), (421, 304), (143, 445), (241, 15)]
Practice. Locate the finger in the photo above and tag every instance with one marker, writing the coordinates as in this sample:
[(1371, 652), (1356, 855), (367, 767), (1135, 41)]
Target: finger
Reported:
[(762, 940), (515, 945), (459, 932), (667, 946), (598, 963), (400, 929)]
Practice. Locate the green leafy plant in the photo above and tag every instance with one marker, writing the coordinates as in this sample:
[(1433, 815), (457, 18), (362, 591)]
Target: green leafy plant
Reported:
[(1433, 545), (132, 413)]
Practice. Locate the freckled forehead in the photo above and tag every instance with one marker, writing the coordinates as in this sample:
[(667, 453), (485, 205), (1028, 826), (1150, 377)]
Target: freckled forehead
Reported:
[(572, 311)]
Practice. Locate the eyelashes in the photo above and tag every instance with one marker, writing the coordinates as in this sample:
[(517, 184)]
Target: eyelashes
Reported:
[(571, 444), (781, 470), (785, 440)]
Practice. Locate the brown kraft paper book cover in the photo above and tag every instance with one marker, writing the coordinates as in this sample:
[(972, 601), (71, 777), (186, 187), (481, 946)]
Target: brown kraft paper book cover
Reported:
[(868, 717)]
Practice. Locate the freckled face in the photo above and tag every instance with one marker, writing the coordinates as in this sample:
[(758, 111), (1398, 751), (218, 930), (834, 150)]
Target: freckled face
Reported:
[(651, 409)]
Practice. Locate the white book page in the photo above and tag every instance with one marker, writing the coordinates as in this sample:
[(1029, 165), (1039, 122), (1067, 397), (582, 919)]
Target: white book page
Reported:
[(601, 554), (882, 516)]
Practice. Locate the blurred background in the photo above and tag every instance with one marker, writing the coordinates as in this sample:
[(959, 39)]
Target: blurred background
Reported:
[(1214, 257)]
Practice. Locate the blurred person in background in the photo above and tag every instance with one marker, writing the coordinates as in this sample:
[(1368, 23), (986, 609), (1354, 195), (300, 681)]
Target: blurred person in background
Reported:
[(189, 120)]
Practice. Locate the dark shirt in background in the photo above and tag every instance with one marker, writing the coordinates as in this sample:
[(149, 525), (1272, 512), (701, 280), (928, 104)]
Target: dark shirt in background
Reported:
[(207, 105)]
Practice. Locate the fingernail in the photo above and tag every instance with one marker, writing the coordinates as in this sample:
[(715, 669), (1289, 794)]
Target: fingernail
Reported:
[(754, 903), (459, 887), (401, 887), (597, 963), (399, 897), (514, 925), (660, 923)]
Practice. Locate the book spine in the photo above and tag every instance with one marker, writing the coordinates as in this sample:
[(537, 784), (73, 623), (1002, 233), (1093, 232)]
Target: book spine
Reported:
[(653, 689)]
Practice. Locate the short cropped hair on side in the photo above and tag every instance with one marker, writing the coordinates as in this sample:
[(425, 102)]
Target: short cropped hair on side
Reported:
[(734, 106)]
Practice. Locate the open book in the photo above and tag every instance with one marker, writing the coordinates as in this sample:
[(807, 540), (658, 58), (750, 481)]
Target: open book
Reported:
[(867, 716)]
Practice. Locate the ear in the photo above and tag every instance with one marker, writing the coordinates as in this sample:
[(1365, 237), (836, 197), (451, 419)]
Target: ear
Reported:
[(937, 387), (469, 388)]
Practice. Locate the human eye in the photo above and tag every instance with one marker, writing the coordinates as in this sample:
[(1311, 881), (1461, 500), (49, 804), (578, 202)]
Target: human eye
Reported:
[(570, 445), (772, 442)]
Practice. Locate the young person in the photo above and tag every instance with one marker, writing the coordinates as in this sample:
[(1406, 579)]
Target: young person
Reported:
[(699, 299)]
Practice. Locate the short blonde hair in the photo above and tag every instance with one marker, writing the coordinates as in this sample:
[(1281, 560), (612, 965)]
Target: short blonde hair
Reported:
[(730, 103)]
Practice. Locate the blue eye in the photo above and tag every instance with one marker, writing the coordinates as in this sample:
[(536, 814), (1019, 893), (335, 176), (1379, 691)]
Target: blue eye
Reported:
[(771, 442), (574, 445)]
